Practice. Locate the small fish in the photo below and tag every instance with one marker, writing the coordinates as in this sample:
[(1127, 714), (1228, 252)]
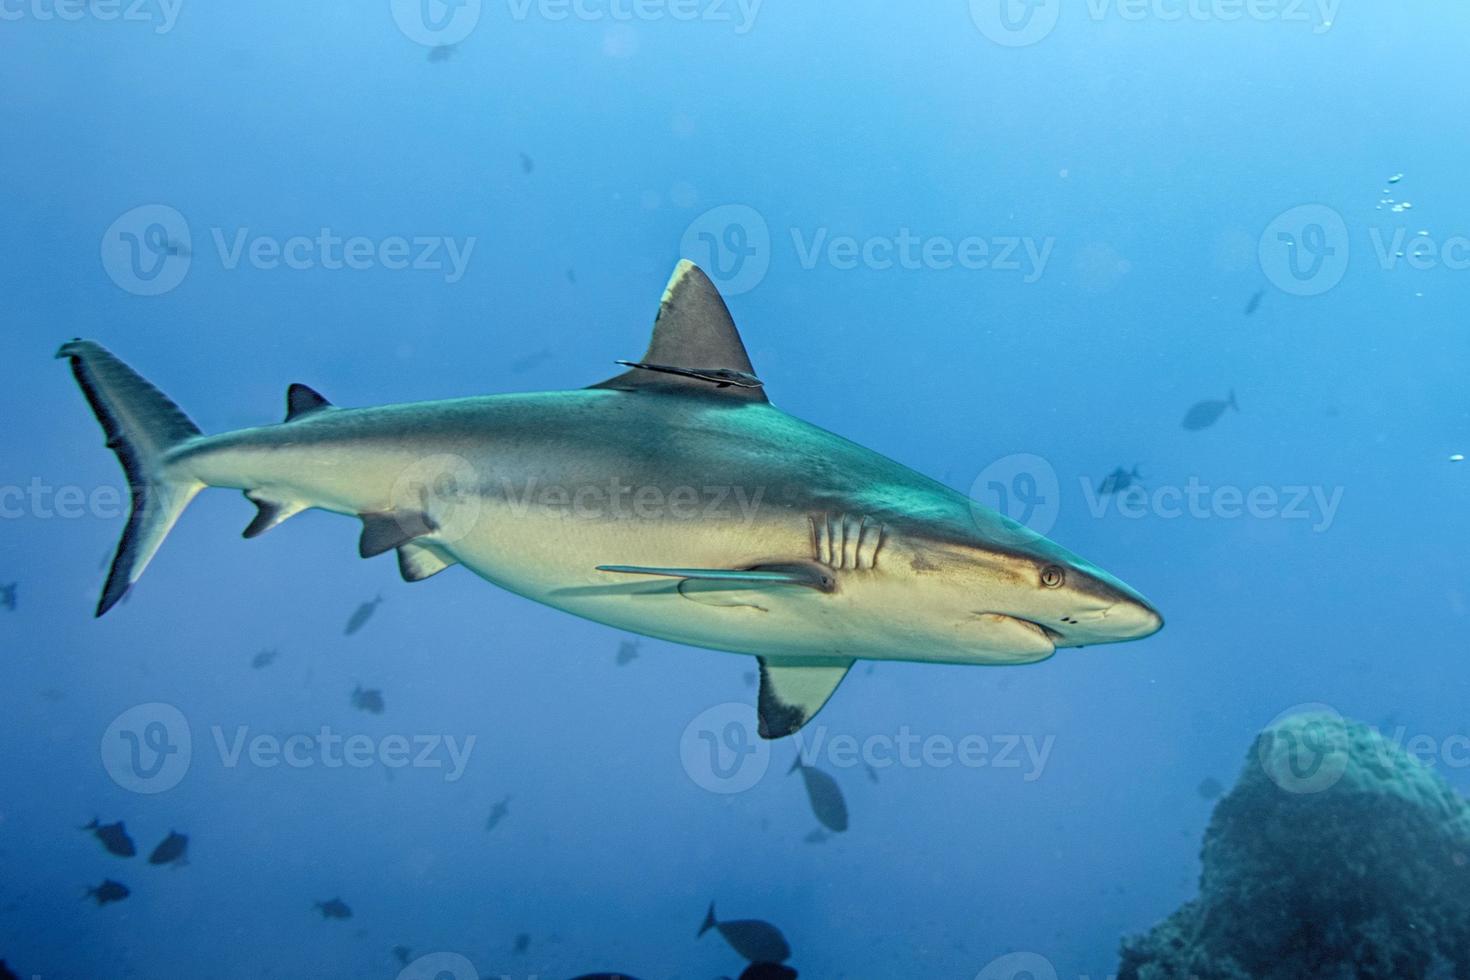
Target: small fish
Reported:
[(527, 164), (53, 694), (824, 795), (264, 658), (7, 595), (1254, 303), (572, 276), (497, 813), (402, 954), (818, 836), (108, 891), (1207, 413), (522, 364), (1119, 481), (627, 652), (523, 942), (360, 617), (757, 941), (367, 699), (173, 850), (872, 773), (1210, 788), (768, 971), (114, 837), (334, 908), (441, 52)]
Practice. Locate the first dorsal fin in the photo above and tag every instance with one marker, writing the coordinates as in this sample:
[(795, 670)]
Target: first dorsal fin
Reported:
[(695, 345), (301, 400)]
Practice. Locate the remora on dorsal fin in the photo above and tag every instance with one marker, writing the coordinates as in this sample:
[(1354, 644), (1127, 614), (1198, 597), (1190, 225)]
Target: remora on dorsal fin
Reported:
[(301, 400), (695, 333), (793, 691)]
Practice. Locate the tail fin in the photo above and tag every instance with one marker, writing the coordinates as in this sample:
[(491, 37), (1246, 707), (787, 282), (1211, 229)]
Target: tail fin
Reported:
[(709, 921), (141, 426)]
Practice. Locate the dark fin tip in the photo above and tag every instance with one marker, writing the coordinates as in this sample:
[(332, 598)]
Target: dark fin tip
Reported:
[(303, 400)]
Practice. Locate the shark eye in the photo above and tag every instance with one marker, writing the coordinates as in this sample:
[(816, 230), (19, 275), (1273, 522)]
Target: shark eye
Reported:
[(1052, 576)]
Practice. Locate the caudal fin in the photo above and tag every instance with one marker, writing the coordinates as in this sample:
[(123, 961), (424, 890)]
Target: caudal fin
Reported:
[(709, 921), (142, 425)]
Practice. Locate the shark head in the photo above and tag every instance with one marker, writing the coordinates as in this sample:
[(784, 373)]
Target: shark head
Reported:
[(993, 591)]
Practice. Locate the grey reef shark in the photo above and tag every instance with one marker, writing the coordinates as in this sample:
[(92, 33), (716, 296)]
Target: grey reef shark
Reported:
[(672, 500)]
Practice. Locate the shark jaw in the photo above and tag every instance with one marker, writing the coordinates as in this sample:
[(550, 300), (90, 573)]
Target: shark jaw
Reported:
[(816, 552)]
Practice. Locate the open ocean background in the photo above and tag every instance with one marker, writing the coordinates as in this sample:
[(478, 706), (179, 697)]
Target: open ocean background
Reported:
[(1154, 161)]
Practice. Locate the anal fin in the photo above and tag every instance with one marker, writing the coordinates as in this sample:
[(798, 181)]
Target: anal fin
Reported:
[(793, 691), (417, 561), (269, 512)]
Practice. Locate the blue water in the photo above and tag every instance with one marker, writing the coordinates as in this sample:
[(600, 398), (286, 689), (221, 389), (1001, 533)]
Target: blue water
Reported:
[(1148, 159)]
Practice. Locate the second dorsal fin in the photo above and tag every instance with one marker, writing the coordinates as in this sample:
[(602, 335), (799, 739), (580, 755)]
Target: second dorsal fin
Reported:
[(695, 345), (301, 400)]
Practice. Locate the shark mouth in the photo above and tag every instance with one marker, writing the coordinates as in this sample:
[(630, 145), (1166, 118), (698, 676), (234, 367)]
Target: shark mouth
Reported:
[(1043, 635)]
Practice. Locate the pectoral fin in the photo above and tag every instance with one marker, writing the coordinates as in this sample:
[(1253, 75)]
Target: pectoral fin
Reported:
[(793, 691), (736, 578)]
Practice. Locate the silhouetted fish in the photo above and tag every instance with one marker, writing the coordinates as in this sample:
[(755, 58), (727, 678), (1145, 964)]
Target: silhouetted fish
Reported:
[(264, 658), (768, 971), (108, 891), (7, 595), (522, 943), (757, 941), (402, 954), (1207, 413), (1211, 789), (826, 798), (527, 164), (498, 813), (114, 837), (173, 850), (441, 52), (334, 908), (1118, 481), (1255, 302), (627, 652), (818, 836), (363, 613), (529, 361), (367, 699), (572, 276)]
